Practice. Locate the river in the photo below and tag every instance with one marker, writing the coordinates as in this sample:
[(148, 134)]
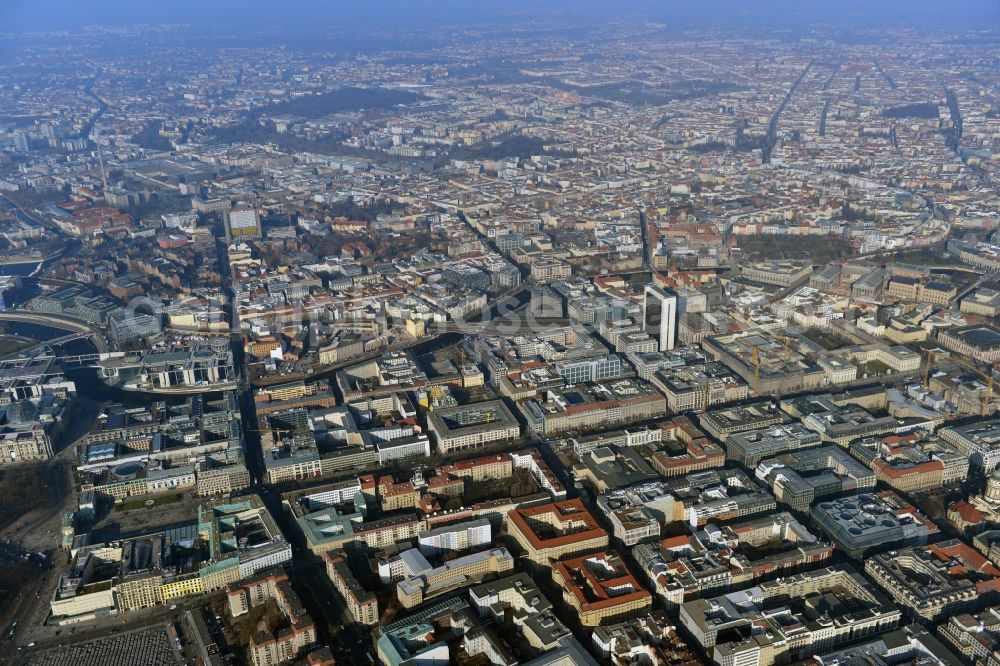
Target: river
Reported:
[(89, 383), (21, 270)]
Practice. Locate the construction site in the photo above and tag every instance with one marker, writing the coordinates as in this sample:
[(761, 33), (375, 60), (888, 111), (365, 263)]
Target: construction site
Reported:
[(769, 361)]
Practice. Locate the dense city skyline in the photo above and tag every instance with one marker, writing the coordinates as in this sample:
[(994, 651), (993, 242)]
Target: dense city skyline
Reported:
[(24, 15), (543, 333)]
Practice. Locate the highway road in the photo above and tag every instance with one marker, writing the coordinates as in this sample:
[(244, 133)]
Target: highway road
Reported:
[(32, 605)]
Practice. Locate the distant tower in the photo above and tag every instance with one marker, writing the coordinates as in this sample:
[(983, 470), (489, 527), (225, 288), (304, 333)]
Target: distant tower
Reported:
[(659, 316), (21, 141), (104, 170)]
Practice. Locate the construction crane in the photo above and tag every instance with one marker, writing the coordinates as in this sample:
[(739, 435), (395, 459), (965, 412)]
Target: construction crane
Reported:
[(927, 366), (463, 355), (785, 340), (985, 376), (755, 359)]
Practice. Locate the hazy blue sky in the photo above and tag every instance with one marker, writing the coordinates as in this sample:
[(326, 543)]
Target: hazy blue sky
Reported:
[(18, 15)]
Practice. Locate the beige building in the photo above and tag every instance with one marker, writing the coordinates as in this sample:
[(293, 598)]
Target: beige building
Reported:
[(227, 480), (983, 301), (911, 289), (557, 414), (362, 603), (328, 529), (394, 496), (545, 270), (855, 610), (308, 468), (555, 530), (944, 578), (457, 573), (25, 445), (781, 273), (980, 342), (600, 587), (898, 358), (500, 466), (473, 426), (268, 648), (139, 591), (699, 454)]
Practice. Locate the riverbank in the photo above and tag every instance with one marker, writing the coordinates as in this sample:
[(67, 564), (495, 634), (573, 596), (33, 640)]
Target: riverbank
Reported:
[(26, 265)]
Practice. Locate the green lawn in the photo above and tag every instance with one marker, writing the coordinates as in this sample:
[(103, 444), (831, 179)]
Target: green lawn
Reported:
[(140, 503), (11, 345)]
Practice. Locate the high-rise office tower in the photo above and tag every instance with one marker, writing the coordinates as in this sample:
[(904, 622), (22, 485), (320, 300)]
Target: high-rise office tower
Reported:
[(21, 142), (659, 316)]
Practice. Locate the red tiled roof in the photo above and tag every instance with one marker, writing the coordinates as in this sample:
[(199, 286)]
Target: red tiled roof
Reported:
[(565, 511)]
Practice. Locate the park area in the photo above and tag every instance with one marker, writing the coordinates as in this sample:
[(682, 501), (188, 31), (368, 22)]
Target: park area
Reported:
[(820, 249)]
